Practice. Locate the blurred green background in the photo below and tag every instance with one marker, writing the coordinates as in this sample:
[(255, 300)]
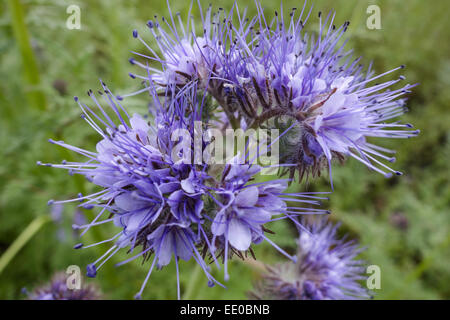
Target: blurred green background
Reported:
[(404, 221)]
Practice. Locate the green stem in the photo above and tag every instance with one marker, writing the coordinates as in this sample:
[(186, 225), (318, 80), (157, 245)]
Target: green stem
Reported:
[(31, 72), (188, 295), (22, 240)]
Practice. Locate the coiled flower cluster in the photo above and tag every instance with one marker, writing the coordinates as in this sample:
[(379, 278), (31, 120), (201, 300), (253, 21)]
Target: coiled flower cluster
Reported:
[(271, 69), (255, 74), (163, 205)]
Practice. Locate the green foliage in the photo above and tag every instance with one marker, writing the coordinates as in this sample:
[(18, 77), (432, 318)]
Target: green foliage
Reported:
[(403, 221)]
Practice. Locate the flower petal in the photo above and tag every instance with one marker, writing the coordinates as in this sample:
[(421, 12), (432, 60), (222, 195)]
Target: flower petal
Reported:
[(239, 235)]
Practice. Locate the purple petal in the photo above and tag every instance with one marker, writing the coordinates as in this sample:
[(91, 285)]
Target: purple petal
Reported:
[(247, 197), (239, 235)]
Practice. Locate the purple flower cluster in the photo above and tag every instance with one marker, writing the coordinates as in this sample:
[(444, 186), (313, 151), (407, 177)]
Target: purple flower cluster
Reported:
[(239, 73), (326, 269), (185, 56), (158, 201), (260, 70), (57, 290)]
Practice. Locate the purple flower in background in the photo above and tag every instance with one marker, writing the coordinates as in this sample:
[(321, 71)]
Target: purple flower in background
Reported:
[(326, 268), (56, 213), (57, 290), (78, 219)]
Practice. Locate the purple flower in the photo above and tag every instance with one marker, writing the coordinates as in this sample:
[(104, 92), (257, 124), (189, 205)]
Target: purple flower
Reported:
[(184, 55), (274, 70), (331, 101), (326, 268), (154, 199), (56, 213), (244, 208), (57, 290), (261, 74), (208, 56), (162, 205)]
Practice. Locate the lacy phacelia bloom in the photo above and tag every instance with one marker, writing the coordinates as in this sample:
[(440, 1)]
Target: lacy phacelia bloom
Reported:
[(57, 290), (244, 208), (184, 55), (325, 93), (208, 56), (165, 206), (273, 70), (326, 268)]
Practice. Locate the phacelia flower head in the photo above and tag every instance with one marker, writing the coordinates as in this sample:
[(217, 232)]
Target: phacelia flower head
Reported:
[(164, 204), (147, 192), (263, 69), (332, 104), (185, 54), (57, 290), (207, 55), (326, 269)]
